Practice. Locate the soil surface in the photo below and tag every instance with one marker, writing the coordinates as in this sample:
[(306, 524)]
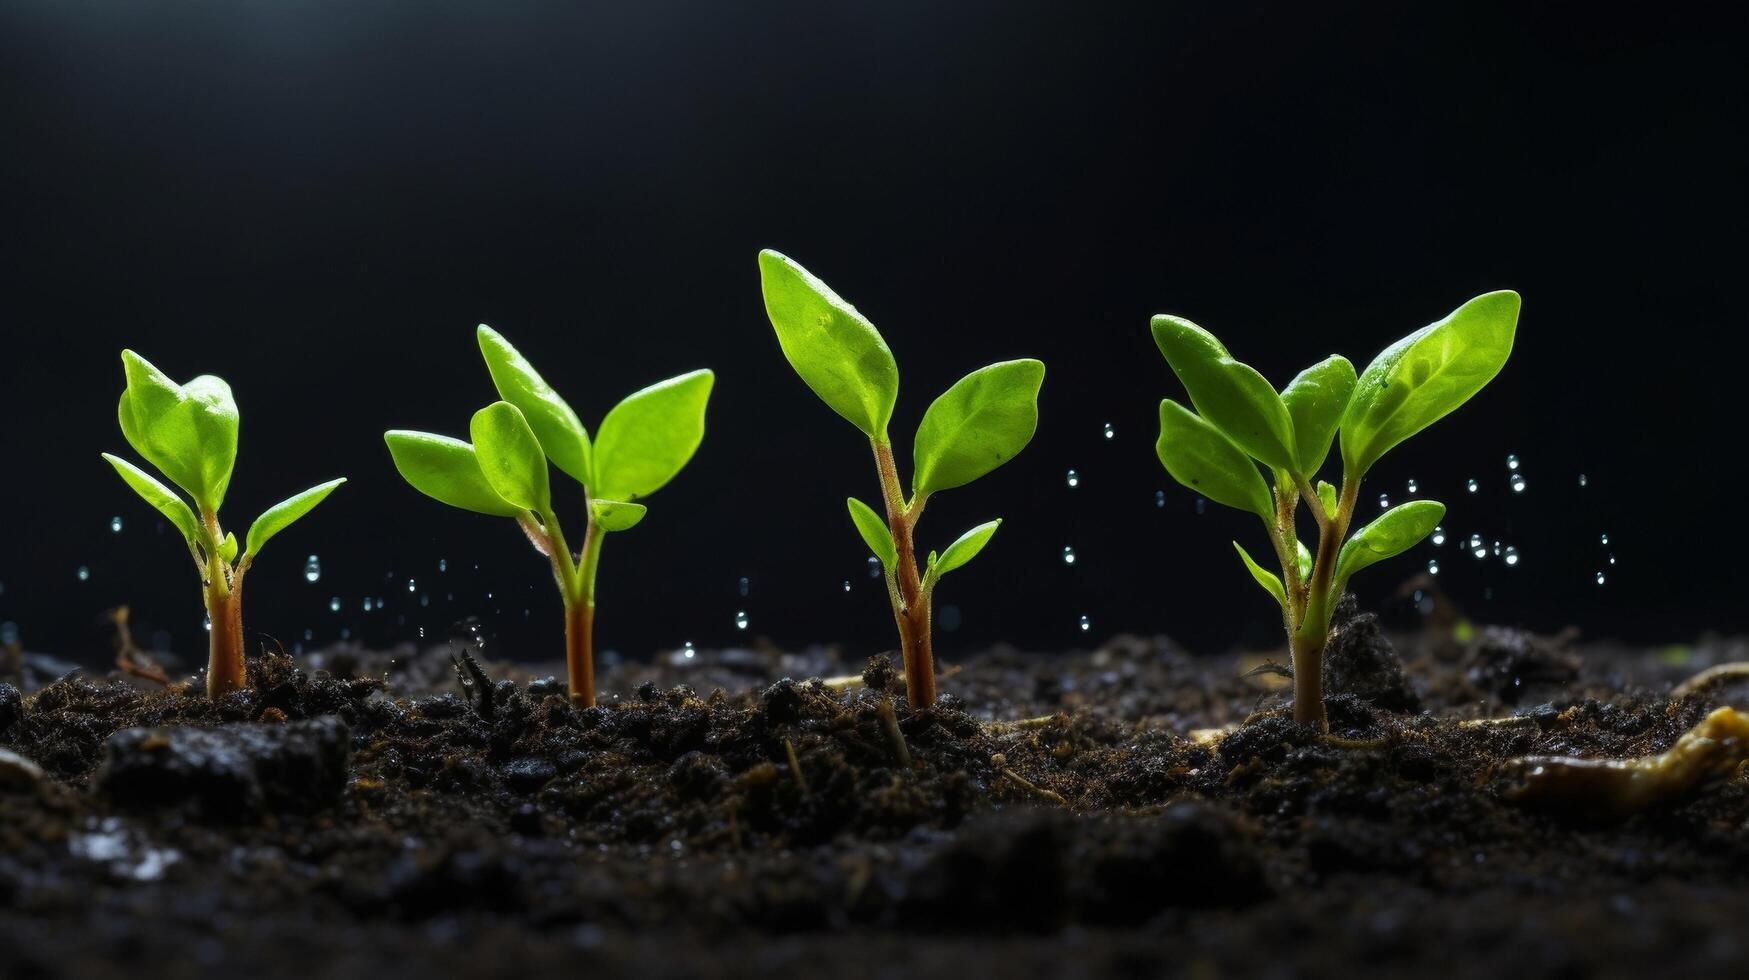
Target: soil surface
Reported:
[(1127, 811)]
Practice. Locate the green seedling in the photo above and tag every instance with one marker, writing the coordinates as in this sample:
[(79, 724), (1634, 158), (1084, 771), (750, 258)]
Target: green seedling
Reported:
[(189, 433), (641, 444), (978, 424), (1242, 421)]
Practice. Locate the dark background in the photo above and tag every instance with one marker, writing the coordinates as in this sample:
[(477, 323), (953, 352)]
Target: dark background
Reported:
[(319, 201)]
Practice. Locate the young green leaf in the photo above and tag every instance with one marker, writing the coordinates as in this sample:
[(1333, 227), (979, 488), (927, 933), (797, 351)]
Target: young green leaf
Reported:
[(966, 547), (189, 432), (1269, 580), (1327, 497), (1229, 394), (1315, 400), (511, 457), (874, 531), (1420, 379), (648, 437), (1200, 457), (228, 547), (837, 352), (446, 470), (980, 423), (562, 436), (281, 515), (1392, 533), (615, 515), (174, 509), (1303, 560)]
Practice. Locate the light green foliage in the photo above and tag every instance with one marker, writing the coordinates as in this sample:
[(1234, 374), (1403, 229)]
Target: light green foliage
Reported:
[(446, 470), (1270, 581), (837, 352), (1315, 400), (874, 531), (978, 424), (646, 439), (561, 435), (1392, 533), (1199, 456), (189, 432), (615, 515), (1231, 395), (158, 495), (511, 457), (965, 547), (281, 515)]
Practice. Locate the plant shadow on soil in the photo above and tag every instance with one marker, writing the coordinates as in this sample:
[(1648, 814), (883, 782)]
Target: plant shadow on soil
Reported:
[(1158, 814)]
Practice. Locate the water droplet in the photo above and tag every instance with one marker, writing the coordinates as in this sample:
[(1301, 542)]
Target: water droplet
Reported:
[(743, 586), (422, 632), (1438, 536), (370, 604), (84, 574), (1159, 498), (1074, 479), (1433, 566), (1471, 485), (1600, 578), (1086, 624), (1109, 432), (1068, 555), (1496, 549), (874, 567), (1517, 483), (687, 650), (312, 569), (1512, 461), (1603, 539), (1202, 505), (443, 564), (847, 585), (1384, 501), (334, 604), (345, 633), (741, 620), (424, 600), (115, 524), (207, 622), (1583, 481), (1510, 557), (1612, 559), (1413, 487), (309, 635), (1478, 547), (412, 586)]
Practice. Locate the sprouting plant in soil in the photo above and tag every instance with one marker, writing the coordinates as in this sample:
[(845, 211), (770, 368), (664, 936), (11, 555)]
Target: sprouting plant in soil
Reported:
[(980, 422), (189, 433), (642, 443), (1241, 420)]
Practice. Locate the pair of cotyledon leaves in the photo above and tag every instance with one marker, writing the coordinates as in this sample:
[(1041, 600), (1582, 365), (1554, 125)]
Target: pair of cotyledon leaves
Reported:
[(189, 433), (642, 443), (978, 424), (1240, 417)]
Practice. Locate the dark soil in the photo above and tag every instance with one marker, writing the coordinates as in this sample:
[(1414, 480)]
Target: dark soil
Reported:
[(349, 818)]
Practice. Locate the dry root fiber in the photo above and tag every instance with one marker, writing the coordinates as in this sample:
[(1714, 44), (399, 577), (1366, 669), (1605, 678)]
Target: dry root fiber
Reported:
[(1713, 749)]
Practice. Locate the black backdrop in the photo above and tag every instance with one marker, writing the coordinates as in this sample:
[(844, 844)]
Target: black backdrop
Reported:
[(318, 201)]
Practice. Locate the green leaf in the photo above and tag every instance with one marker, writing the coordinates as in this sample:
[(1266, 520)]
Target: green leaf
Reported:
[(562, 436), (1420, 379), (650, 435), (615, 515), (983, 421), (1303, 559), (189, 432), (446, 470), (1199, 456), (228, 548), (281, 515), (1394, 532), (1269, 580), (511, 456), (1315, 400), (966, 547), (1327, 497), (174, 509), (1230, 395), (874, 531), (837, 352)]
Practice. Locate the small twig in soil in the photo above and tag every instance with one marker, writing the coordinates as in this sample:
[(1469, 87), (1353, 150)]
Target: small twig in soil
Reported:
[(999, 762), (1714, 675), (129, 658), (1211, 736), (1713, 749), (1381, 742), (890, 722), (476, 686), (795, 765), (1041, 721), (1509, 721)]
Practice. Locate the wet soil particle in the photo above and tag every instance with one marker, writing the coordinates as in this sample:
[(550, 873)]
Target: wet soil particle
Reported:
[(1361, 661), (232, 772)]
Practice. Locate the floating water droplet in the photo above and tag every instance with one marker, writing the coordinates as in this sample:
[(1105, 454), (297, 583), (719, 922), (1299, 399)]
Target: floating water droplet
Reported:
[(412, 586), (1384, 501), (1086, 624), (1478, 547), (1603, 539), (1433, 566), (207, 622), (741, 620), (369, 603), (1510, 557), (1512, 461), (743, 586), (84, 574), (1600, 578), (847, 585), (115, 524), (1413, 487), (334, 604), (1438, 536), (1472, 485), (1159, 498), (1068, 555), (874, 567), (312, 569), (1517, 483), (687, 650), (1109, 432), (1202, 505), (424, 600), (1074, 479), (1496, 549), (309, 635), (443, 564), (1583, 481), (422, 632), (1612, 559)]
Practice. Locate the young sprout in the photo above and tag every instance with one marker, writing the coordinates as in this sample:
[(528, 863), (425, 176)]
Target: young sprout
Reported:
[(978, 424), (1241, 421), (189, 433), (642, 443)]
